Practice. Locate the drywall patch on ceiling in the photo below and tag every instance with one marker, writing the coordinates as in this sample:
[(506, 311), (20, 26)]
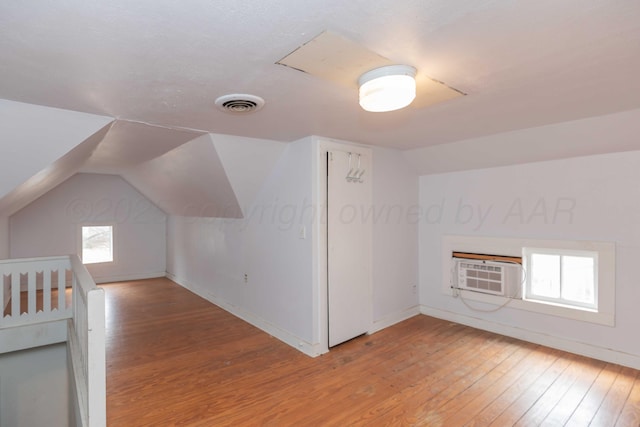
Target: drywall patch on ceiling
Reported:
[(331, 57), (430, 91)]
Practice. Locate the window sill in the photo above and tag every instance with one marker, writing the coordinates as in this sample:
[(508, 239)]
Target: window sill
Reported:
[(559, 304), (541, 307)]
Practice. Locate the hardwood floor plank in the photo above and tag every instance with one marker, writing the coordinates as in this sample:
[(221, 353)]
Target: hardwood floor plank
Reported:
[(552, 395), (530, 396), (587, 372), (587, 408), (610, 409), (175, 359), (464, 410), (422, 402), (459, 410), (395, 382), (543, 358), (630, 414)]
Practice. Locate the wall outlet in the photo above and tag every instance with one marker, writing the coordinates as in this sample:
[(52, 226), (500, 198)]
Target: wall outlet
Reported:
[(414, 289), (302, 234), (246, 278)]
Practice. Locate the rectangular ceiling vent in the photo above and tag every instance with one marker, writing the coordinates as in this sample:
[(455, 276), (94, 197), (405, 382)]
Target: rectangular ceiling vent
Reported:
[(489, 277)]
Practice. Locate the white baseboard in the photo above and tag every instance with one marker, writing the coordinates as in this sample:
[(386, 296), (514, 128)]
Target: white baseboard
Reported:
[(129, 277), (392, 319), (588, 350), (305, 347)]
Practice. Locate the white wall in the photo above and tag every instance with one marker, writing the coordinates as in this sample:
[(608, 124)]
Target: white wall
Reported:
[(4, 254), (51, 226), (34, 387), (585, 137), (211, 256), (587, 198), (4, 237), (395, 238)]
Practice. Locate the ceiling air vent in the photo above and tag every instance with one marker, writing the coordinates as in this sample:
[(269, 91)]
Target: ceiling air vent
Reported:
[(240, 103)]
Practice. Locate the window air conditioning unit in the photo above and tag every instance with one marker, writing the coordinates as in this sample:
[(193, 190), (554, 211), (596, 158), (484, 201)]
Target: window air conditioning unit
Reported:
[(489, 277)]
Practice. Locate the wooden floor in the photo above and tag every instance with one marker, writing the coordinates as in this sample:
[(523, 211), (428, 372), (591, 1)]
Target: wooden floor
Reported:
[(175, 359)]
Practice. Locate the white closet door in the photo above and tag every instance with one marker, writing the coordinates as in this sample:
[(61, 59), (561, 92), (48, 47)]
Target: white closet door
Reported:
[(349, 238)]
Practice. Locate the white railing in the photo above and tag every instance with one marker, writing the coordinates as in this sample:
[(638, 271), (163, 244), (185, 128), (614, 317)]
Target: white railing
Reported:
[(44, 281), (38, 296)]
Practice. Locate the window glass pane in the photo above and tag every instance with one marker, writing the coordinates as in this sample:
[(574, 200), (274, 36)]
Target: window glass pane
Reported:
[(578, 279), (97, 244), (545, 275)]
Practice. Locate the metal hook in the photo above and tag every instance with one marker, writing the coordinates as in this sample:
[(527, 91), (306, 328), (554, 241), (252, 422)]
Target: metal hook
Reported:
[(349, 177), (359, 172)]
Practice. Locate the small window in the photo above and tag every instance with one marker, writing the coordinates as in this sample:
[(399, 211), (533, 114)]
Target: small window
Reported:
[(566, 277), (97, 244)]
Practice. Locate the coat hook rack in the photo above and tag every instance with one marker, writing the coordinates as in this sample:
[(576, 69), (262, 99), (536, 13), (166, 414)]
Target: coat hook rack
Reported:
[(355, 173)]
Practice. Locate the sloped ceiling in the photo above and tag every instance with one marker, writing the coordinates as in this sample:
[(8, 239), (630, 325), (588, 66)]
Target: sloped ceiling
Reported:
[(180, 170), (40, 148), (51, 176), (584, 137), (244, 159), (129, 143), (170, 181), (155, 67)]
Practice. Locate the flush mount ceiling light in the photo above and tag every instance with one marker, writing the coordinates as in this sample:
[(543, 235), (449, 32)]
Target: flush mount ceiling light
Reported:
[(387, 88)]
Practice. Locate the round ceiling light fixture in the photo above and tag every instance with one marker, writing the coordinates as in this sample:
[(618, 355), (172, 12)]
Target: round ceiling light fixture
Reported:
[(239, 103), (387, 88)]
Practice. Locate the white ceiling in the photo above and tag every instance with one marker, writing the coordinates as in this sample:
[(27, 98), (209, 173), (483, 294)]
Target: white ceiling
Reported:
[(119, 150), (163, 62)]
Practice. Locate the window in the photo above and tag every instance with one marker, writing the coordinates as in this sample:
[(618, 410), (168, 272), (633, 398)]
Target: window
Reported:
[(574, 279), (97, 244), (567, 277)]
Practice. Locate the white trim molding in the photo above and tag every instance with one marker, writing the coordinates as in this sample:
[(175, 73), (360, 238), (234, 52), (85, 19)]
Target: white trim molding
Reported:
[(129, 277), (286, 337), (393, 318), (581, 348)]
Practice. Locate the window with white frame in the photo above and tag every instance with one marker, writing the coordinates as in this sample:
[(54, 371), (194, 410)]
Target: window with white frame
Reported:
[(97, 244), (559, 276), (574, 279)]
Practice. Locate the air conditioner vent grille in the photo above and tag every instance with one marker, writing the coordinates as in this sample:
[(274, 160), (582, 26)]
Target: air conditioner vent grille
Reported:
[(489, 277)]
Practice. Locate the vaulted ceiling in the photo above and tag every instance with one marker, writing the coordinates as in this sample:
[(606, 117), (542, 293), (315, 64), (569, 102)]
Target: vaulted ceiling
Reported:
[(152, 69)]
